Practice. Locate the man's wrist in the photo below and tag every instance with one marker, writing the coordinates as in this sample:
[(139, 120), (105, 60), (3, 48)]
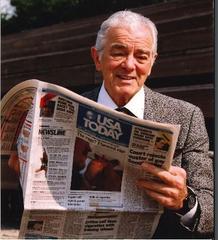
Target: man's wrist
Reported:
[(190, 213)]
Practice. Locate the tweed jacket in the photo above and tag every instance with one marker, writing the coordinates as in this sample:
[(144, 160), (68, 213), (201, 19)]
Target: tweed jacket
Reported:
[(191, 154)]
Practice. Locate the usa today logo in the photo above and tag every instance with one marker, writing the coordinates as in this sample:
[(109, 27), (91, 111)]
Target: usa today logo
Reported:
[(102, 125)]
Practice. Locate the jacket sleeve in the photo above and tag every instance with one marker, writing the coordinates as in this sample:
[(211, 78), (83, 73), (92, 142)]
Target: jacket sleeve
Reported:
[(199, 167)]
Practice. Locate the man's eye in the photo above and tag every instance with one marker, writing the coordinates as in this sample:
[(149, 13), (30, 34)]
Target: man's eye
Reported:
[(142, 57), (117, 54)]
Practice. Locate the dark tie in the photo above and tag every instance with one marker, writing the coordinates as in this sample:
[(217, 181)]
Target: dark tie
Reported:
[(125, 110)]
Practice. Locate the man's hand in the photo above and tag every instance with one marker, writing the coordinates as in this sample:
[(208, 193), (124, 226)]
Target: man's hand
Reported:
[(13, 163), (172, 189)]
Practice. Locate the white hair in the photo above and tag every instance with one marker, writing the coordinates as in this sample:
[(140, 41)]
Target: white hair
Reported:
[(125, 18)]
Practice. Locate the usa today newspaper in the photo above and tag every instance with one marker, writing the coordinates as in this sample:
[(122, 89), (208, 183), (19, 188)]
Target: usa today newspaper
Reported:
[(79, 162)]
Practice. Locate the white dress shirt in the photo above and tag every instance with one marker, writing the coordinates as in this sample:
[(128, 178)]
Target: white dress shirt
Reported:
[(135, 105)]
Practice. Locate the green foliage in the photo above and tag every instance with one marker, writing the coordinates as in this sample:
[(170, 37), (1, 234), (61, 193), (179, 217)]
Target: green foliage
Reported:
[(38, 13)]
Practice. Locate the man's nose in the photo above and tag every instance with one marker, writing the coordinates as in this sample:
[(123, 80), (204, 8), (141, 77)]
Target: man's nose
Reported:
[(129, 62)]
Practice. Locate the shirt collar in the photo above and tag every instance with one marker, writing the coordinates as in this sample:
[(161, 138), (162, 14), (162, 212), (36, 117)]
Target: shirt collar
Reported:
[(135, 105)]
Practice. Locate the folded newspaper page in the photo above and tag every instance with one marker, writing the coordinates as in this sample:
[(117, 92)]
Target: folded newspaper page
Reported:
[(79, 162)]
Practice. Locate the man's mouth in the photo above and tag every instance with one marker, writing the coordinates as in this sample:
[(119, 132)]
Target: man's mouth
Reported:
[(125, 77)]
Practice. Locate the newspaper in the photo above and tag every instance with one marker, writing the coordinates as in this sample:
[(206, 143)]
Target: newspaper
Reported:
[(79, 163)]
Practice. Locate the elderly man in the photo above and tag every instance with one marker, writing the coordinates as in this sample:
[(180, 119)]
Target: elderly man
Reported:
[(125, 51)]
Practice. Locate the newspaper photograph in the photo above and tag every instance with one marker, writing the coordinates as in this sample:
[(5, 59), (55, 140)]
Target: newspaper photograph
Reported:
[(79, 162)]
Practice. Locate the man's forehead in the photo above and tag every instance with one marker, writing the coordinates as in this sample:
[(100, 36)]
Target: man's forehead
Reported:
[(119, 37), (123, 46), (118, 45)]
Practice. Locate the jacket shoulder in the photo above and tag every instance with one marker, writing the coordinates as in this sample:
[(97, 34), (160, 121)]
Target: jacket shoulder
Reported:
[(163, 108), (92, 94), (163, 101)]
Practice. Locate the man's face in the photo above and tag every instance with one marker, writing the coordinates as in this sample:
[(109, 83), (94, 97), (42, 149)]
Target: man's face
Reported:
[(126, 61)]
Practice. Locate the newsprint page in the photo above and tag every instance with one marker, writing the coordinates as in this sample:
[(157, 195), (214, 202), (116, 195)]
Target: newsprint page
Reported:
[(79, 163)]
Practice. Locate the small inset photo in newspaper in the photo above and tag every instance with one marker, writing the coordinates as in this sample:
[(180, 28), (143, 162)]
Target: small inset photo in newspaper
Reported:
[(35, 225), (92, 171), (44, 163), (47, 106), (162, 143)]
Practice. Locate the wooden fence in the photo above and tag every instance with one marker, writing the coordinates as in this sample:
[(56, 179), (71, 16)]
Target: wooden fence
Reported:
[(61, 53)]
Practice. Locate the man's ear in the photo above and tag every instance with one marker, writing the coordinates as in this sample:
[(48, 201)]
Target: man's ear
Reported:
[(152, 63), (155, 57), (96, 58)]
